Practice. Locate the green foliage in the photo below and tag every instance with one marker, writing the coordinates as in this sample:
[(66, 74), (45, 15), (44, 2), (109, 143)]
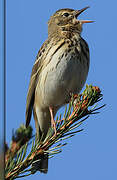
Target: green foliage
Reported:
[(79, 109)]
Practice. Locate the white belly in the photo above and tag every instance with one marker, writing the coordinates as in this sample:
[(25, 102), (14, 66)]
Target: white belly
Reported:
[(60, 78)]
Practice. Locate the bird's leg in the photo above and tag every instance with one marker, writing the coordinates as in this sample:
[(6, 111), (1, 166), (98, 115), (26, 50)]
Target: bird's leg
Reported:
[(53, 124)]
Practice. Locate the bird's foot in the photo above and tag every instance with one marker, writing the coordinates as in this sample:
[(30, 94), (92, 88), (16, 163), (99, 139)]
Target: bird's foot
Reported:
[(73, 96), (54, 126), (60, 120)]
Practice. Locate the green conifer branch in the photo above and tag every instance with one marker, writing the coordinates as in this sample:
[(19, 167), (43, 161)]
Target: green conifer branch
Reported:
[(20, 164)]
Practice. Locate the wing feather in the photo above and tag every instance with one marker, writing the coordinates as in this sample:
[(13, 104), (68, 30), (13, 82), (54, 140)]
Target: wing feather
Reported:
[(33, 82), (44, 56), (31, 93)]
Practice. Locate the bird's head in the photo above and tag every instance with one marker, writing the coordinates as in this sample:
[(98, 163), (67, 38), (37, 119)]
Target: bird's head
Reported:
[(66, 20)]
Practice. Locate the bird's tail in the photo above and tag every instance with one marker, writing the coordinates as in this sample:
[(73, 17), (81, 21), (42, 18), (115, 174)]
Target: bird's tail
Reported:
[(41, 164)]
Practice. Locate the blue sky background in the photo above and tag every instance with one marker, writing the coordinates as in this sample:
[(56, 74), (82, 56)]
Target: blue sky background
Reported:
[(91, 154)]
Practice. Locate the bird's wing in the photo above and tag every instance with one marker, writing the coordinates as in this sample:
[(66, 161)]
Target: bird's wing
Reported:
[(33, 82), (44, 56)]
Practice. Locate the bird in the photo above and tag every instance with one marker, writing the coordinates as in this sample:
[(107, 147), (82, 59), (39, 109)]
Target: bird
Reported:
[(61, 68)]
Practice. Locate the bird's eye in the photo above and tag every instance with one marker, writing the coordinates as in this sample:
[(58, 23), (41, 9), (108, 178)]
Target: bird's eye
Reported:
[(66, 14)]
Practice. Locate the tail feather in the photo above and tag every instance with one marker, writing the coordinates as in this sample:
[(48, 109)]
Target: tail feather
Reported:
[(41, 164)]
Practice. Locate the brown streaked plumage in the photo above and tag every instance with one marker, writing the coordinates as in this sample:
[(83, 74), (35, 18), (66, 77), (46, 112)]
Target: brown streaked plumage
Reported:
[(60, 69)]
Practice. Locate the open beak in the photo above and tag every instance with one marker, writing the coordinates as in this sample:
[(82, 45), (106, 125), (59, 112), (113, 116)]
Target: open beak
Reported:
[(86, 21), (78, 12)]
